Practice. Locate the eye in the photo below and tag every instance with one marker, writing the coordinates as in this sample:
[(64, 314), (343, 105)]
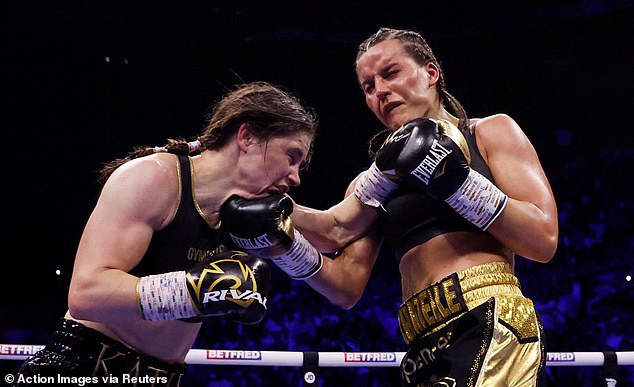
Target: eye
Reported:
[(391, 74), (367, 88), (301, 160), (295, 157)]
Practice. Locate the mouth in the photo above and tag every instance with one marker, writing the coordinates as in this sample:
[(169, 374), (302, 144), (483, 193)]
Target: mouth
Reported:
[(388, 107), (278, 190)]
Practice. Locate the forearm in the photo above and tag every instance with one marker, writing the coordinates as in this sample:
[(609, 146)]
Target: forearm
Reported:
[(202, 290), (342, 280), (528, 230), (109, 296), (263, 228), (332, 229)]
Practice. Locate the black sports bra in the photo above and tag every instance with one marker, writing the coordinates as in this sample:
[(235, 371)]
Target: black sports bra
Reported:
[(187, 240), (411, 217)]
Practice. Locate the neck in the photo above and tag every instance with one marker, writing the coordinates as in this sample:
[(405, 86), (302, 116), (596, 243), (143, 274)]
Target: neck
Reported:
[(445, 115), (209, 182)]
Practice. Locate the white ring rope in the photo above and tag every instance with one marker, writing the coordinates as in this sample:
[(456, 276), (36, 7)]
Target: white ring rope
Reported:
[(327, 359)]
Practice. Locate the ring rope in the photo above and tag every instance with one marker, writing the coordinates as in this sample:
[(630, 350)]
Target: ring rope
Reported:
[(327, 359)]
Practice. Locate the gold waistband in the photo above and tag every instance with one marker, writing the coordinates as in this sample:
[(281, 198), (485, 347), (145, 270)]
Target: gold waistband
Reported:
[(448, 298)]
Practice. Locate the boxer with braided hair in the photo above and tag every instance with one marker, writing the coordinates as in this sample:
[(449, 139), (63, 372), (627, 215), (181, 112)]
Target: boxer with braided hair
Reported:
[(470, 196), (153, 261)]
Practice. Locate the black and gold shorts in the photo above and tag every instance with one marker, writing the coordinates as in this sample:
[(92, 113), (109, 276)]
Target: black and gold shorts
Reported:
[(473, 328), (78, 355)]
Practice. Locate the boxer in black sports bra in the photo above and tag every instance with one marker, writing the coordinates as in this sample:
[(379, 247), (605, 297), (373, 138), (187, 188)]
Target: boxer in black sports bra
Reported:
[(154, 258), (457, 199)]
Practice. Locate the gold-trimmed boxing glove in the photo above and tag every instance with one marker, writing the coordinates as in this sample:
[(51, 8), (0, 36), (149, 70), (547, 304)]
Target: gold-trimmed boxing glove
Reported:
[(263, 227), (434, 156), (231, 283)]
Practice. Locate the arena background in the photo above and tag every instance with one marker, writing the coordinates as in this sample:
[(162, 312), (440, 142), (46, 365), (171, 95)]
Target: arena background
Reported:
[(84, 82)]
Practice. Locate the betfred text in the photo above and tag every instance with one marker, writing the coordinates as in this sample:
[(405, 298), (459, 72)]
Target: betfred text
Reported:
[(87, 380)]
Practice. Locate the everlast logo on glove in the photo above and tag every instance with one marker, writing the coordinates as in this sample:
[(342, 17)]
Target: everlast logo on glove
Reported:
[(259, 242), (425, 169)]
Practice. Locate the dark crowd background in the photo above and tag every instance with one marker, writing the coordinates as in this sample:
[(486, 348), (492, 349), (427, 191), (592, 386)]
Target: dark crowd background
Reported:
[(84, 82)]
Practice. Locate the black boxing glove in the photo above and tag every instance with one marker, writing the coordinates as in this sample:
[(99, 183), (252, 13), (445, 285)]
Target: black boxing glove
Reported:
[(232, 283), (263, 227), (434, 156)]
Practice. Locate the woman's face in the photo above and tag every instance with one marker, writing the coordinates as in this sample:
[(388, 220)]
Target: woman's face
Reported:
[(273, 166), (396, 88)]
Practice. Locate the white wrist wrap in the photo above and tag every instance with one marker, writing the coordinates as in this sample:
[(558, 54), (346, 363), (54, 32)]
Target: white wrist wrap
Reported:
[(373, 187), (302, 260), (165, 297), (478, 200)]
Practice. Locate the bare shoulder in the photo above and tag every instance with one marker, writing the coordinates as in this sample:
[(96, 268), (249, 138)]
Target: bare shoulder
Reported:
[(497, 124), (156, 169), (148, 186), (498, 132)]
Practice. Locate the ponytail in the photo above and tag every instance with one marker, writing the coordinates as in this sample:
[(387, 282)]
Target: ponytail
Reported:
[(175, 146)]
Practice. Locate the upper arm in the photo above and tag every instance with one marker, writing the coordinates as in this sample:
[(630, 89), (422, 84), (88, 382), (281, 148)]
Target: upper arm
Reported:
[(513, 161), (137, 199), (530, 218)]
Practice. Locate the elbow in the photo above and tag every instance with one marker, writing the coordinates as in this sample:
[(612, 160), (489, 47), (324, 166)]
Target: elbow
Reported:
[(550, 244), (546, 250), (549, 251), (540, 241), (548, 239), (539, 249), (78, 304), (347, 305), (345, 301)]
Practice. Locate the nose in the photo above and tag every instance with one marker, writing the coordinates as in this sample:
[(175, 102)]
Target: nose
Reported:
[(381, 88), (293, 177)]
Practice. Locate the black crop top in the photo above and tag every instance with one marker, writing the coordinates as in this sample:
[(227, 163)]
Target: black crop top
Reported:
[(412, 217), (187, 240)]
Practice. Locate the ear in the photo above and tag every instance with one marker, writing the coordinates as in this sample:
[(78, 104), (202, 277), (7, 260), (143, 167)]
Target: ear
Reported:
[(433, 72), (244, 137)]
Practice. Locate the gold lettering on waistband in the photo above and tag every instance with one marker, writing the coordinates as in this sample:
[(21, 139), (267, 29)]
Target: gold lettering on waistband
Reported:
[(431, 307), (441, 302), (455, 301)]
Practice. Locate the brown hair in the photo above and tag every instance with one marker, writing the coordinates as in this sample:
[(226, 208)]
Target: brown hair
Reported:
[(269, 110)]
